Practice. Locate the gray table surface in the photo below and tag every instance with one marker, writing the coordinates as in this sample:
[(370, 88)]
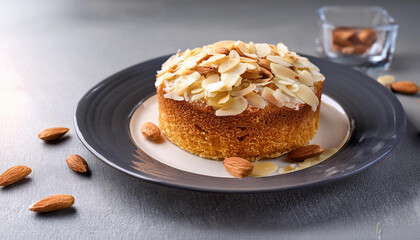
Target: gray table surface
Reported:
[(52, 52)]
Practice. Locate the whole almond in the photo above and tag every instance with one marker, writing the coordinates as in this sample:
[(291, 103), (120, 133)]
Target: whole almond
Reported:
[(344, 36), (14, 174), (150, 131), (50, 134), (203, 70), (238, 167), (266, 73), (222, 50), (264, 63), (53, 203), (251, 74), (77, 163), (302, 153), (405, 87)]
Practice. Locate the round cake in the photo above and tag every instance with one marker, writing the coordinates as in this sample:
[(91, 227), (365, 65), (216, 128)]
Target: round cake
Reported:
[(232, 99)]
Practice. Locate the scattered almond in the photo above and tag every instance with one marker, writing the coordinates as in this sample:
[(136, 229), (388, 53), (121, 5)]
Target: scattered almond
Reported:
[(77, 163), (405, 87), (53, 203), (50, 134), (14, 174), (222, 50), (251, 74), (151, 132), (203, 70), (302, 153), (238, 167)]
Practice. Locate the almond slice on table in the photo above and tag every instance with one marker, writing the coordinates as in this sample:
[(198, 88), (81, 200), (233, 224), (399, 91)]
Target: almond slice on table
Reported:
[(14, 174), (302, 153), (386, 80), (151, 132), (405, 87), (50, 134), (238, 167), (77, 163), (53, 203)]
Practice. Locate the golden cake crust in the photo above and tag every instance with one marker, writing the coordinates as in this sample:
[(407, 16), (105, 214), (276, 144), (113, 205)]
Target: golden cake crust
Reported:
[(253, 134)]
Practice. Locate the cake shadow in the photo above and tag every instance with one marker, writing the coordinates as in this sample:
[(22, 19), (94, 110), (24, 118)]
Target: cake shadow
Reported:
[(367, 196)]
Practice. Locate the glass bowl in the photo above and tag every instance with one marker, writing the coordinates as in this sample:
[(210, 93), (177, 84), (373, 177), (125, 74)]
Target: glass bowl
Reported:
[(358, 36)]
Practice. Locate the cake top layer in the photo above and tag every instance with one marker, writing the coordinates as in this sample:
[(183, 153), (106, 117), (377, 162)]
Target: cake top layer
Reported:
[(233, 76)]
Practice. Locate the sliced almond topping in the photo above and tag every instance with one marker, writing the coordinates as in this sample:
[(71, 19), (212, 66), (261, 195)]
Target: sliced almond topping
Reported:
[(251, 55), (278, 69), (248, 60), (197, 96), (244, 91), (213, 87), (222, 50), (234, 106), (262, 49), (212, 78), (308, 96), (306, 78), (224, 44), (241, 48), (255, 100), (279, 60), (215, 59), (197, 90), (228, 65), (172, 95), (234, 55), (251, 48), (224, 99)]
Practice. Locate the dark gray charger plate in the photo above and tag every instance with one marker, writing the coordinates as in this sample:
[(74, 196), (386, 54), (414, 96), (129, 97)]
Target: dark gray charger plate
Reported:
[(103, 115)]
